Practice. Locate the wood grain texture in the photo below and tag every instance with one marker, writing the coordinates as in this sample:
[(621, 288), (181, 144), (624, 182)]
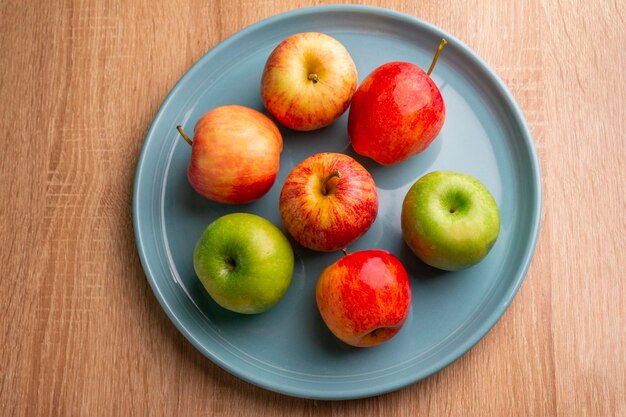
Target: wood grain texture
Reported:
[(82, 334)]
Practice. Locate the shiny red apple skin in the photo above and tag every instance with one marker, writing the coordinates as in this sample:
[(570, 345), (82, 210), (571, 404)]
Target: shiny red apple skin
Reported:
[(365, 297), (235, 155), (395, 113), (333, 221)]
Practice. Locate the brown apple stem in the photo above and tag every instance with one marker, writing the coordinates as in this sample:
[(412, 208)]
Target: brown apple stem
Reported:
[(313, 77), (345, 251), (327, 179), (436, 57), (183, 134)]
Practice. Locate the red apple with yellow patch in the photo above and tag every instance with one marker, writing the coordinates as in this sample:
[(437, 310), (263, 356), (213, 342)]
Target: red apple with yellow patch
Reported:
[(235, 154), (396, 112), (308, 81), (328, 201), (365, 297)]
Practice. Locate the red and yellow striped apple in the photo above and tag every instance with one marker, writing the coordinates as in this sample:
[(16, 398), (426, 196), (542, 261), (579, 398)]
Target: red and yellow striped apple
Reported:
[(396, 112), (235, 154), (328, 201), (365, 297), (308, 81)]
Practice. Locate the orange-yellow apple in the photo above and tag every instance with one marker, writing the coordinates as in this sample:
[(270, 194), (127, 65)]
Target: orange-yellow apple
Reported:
[(328, 201), (365, 297), (396, 112), (235, 154), (308, 81)]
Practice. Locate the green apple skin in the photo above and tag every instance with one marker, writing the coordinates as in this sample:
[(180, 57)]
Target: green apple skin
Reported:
[(450, 220), (244, 262)]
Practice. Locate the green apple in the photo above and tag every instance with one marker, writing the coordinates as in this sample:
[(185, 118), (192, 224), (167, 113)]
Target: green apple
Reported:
[(244, 262), (450, 220)]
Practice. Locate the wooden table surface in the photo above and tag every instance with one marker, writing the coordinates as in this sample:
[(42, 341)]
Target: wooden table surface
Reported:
[(82, 333)]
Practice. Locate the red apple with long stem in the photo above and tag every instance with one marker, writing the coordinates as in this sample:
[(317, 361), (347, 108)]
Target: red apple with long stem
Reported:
[(328, 201), (365, 297), (235, 154), (396, 112)]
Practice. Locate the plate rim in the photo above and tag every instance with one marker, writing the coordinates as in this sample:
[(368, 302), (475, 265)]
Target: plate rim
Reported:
[(492, 317)]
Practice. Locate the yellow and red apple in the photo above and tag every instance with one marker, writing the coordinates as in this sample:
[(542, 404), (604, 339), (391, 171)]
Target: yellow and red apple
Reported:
[(365, 297), (235, 154), (396, 112), (328, 201), (308, 81)]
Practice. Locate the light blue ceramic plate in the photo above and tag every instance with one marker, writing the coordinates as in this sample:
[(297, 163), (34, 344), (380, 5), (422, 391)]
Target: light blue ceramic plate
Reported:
[(288, 349)]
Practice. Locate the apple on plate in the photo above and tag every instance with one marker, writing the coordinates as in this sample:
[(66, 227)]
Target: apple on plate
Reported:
[(235, 154), (328, 201), (365, 297), (244, 262), (450, 220), (396, 112), (308, 81)]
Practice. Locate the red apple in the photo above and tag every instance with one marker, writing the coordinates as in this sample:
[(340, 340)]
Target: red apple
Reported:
[(235, 154), (365, 297), (396, 112), (308, 81), (328, 201)]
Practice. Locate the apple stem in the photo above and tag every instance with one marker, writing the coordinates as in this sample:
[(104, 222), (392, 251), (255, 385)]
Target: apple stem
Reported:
[(313, 77), (183, 134), (345, 251), (328, 178), (436, 57)]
